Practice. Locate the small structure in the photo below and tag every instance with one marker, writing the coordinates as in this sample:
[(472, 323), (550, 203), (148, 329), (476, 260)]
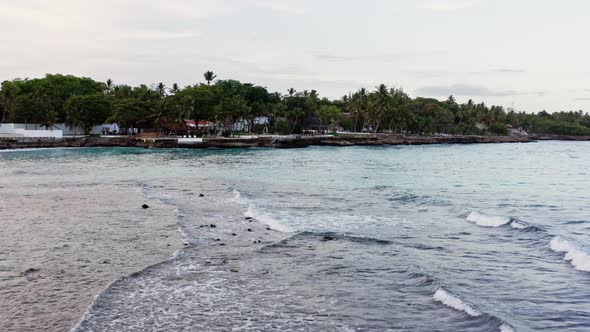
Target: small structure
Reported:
[(21, 130)]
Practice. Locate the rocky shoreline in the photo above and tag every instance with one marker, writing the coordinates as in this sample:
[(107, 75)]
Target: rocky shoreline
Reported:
[(268, 141)]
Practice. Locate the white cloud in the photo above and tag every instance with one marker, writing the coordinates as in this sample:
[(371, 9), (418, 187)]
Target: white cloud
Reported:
[(279, 6), (447, 5)]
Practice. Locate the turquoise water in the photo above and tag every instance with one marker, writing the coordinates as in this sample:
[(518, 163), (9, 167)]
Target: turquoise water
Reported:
[(412, 238)]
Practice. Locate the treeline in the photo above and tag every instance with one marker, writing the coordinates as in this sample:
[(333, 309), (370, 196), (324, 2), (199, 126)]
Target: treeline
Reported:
[(84, 103)]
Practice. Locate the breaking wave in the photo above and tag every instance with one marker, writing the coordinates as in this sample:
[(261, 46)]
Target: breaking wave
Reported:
[(485, 220), (274, 224), (454, 302), (578, 258)]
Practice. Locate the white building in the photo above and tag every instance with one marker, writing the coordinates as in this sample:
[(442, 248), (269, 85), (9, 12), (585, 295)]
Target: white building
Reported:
[(18, 130)]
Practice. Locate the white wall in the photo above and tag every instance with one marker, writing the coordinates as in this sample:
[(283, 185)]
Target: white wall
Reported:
[(17, 130)]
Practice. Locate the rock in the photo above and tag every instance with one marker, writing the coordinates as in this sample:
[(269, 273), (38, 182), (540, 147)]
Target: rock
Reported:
[(249, 218), (234, 270), (145, 206), (212, 226), (30, 271), (268, 228), (201, 195), (329, 238), (234, 234), (249, 229), (217, 240), (222, 244), (105, 262)]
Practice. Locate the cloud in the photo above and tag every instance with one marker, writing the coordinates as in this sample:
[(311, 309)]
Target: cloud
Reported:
[(500, 71), (375, 57), (279, 6), (158, 35), (583, 99), (463, 90), (447, 5)]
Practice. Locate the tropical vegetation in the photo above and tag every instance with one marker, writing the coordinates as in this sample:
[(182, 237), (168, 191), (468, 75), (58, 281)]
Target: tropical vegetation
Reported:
[(83, 103)]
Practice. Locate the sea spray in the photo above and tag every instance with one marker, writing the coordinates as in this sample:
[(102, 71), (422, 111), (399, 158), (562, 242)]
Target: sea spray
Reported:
[(579, 259), (266, 219), (454, 302), (485, 220)]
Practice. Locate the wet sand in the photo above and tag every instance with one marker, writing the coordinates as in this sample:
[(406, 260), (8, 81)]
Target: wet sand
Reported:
[(62, 246)]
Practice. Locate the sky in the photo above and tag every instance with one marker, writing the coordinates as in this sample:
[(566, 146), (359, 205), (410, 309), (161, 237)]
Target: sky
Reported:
[(532, 55)]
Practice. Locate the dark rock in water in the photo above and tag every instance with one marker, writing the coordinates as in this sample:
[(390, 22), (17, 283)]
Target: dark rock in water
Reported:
[(201, 195), (217, 240), (329, 238), (249, 218), (145, 206), (222, 244), (105, 262), (249, 229), (234, 270), (234, 234), (30, 271), (212, 226), (268, 228)]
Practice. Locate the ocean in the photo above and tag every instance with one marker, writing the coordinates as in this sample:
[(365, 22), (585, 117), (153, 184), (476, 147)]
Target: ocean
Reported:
[(491, 237)]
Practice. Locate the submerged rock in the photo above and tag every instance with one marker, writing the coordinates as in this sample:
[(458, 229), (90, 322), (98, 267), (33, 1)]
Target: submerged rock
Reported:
[(30, 271), (201, 195), (145, 206)]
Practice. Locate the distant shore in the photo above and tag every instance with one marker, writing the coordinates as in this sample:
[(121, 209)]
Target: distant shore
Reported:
[(262, 141), (270, 141)]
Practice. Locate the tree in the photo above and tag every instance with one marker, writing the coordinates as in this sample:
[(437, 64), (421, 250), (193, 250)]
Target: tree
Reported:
[(209, 77), (87, 111)]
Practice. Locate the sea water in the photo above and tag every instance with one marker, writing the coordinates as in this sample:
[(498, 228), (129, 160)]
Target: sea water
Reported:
[(411, 238)]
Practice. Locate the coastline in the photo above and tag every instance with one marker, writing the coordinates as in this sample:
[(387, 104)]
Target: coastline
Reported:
[(282, 142), (81, 248)]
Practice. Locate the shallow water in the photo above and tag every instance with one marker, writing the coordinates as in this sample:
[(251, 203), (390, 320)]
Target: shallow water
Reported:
[(431, 238)]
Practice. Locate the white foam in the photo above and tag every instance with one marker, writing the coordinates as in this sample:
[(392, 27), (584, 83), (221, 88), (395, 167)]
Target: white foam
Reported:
[(454, 302), (518, 225), (237, 197), (273, 223), (506, 328), (579, 259), (485, 220)]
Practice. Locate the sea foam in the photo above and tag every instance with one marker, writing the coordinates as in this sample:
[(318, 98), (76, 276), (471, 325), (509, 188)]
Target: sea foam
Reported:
[(274, 224), (454, 302), (485, 220), (578, 258)]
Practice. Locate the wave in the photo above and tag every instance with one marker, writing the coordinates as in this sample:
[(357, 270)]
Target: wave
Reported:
[(444, 297), (88, 314), (506, 328), (237, 196), (485, 220), (274, 224), (578, 258), (454, 302)]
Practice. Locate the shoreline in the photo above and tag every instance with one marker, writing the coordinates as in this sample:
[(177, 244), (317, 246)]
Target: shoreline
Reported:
[(281, 142), (80, 249)]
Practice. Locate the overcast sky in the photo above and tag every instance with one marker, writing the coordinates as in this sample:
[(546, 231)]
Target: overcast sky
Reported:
[(533, 54)]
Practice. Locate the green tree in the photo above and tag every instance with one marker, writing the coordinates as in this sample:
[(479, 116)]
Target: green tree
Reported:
[(87, 111)]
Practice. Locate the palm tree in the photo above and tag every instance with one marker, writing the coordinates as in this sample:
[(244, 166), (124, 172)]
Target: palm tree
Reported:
[(161, 89), (109, 84), (174, 90), (291, 92), (209, 76)]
